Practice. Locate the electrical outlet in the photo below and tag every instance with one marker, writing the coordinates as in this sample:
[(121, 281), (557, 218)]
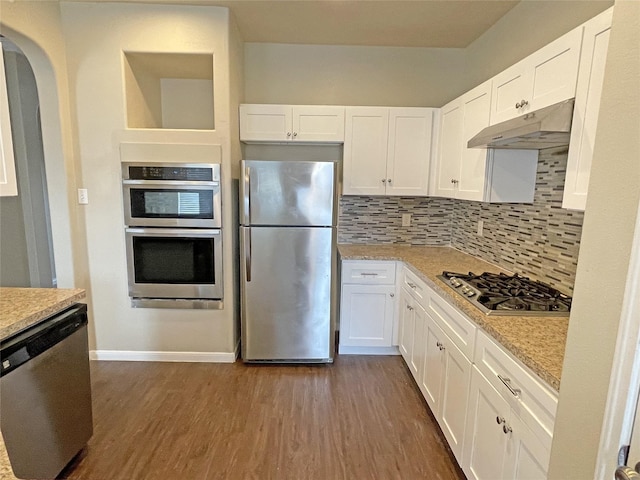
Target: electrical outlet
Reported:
[(480, 228), (83, 196), (406, 219)]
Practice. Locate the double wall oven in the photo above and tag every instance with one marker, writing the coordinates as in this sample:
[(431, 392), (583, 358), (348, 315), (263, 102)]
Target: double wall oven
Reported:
[(172, 213)]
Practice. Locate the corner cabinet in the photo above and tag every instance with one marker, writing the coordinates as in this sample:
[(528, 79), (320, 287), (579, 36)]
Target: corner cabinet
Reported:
[(291, 124), (543, 78), (586, 110), (387, 151), (367, 308), (485, 175)]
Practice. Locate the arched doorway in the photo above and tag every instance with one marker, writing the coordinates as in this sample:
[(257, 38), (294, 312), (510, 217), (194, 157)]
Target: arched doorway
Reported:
[(26, 246)]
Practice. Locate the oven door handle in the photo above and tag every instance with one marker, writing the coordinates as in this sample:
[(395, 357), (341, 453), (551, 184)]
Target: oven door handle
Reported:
[(171, 184), (247, 253)]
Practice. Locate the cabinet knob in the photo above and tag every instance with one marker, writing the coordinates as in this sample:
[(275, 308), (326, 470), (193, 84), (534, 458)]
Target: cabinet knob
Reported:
[(522, 103), (454, 181), (391, 295), (389, 181), (384, 180), (409, 307), (288, 134), (506, 429), (295, 134), (500, 420)]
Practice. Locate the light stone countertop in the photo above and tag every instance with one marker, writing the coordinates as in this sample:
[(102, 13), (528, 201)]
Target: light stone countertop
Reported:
[(21, 308), (538, 342)]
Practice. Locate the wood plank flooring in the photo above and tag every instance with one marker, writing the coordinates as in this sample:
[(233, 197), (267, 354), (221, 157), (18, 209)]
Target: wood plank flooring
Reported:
[(360, 418)]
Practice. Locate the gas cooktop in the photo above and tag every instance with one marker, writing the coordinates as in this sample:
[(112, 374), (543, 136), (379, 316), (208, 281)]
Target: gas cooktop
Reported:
[(500, 294)]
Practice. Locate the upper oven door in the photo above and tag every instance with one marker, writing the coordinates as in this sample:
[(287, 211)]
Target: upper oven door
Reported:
[(171, 195)]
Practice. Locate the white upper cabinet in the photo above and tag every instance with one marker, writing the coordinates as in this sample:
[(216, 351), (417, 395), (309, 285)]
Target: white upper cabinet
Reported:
[(476, 173), (387, 151), (545, 77), (8, 181), (586, 109), (291, 123)]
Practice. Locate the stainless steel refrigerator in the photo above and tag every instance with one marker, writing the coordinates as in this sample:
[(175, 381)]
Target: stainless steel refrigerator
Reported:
[(288, 260)]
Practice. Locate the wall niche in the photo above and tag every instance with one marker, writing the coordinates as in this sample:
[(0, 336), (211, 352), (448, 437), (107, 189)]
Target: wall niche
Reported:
[(169, 90)]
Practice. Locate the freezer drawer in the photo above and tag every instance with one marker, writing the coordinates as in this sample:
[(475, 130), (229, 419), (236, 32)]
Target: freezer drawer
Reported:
[(288, 283)]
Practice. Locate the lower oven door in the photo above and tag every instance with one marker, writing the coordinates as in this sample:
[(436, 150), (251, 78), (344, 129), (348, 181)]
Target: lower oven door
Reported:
[(174, 263)]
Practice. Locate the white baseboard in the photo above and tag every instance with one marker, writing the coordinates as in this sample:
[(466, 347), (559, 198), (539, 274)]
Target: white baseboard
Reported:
[(143, 356), (348, 350)]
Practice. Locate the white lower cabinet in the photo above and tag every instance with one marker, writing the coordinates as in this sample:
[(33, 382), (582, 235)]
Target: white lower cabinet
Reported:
[(496, 415), (445, 384), (499, 444), (367, 308), (411, 337)]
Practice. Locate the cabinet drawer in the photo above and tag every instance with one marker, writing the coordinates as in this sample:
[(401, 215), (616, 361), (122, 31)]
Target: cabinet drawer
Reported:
[(533, 401), (459, 328), (369, 272), (413, 284)]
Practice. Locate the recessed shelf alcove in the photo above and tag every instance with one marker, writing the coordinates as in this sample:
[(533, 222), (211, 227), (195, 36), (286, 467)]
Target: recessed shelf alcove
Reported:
[(169, 90)]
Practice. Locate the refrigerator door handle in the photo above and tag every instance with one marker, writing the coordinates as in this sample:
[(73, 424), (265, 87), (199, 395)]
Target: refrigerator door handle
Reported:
[(247, 253), (247, 196)]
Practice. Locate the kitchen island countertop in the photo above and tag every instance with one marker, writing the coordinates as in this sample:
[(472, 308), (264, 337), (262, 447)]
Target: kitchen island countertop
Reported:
[(538, 342), (21, 308)]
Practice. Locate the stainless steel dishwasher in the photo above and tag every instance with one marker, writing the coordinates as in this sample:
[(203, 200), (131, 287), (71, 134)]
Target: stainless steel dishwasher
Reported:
[(45, 394)]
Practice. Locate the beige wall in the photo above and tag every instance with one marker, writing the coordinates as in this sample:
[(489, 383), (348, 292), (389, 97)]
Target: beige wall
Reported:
[(96, 36), (607, 240), (527, 27), (350, 75)]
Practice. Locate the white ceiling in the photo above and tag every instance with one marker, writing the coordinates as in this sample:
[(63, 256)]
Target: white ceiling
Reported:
[(402, 23)]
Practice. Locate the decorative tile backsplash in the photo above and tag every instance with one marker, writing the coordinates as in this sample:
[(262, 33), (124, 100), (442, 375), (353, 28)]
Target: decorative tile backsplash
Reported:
[(540, 240)]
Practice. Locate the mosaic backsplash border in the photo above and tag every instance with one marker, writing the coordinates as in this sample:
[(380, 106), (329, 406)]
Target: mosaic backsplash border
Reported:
[(539, 240)]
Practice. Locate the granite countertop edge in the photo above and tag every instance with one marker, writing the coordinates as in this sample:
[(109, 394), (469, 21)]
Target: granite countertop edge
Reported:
[(22, 308), (406, 254)]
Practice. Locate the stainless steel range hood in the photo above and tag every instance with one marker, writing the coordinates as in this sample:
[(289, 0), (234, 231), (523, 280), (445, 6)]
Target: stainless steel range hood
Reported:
[(545, 128)]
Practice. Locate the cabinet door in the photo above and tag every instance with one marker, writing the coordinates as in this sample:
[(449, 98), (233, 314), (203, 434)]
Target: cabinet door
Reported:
[(405, 335), (586, 110), (409, 151), (476, 106), (508, 89), (455, 396), (432, 371), (554, 71), (366, 315), (527, 458), (318, 123), (485, 446), (266, 123), (365, 151), (416, 363), (450, 149)]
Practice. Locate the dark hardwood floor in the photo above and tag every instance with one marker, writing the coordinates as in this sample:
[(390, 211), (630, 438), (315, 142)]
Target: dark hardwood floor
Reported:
[(360, 418)]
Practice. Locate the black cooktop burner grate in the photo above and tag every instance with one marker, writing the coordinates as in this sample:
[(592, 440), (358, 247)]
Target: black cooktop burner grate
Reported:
[(501, 294)]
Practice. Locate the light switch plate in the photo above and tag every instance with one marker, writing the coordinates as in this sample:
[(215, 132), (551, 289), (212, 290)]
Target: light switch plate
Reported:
[(406, 219), (83, 196)]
